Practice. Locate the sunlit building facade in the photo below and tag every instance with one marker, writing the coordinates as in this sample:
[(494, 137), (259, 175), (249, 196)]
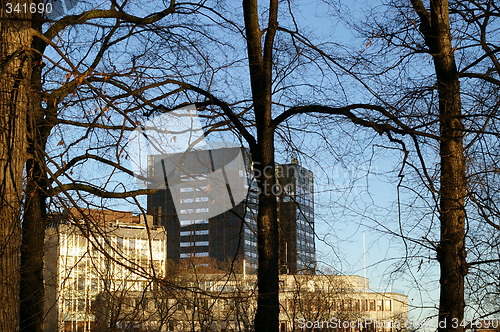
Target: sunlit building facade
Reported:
[(97, 252), (227, 302)]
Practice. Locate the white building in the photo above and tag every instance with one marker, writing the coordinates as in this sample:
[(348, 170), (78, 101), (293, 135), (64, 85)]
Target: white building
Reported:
[(227, 302), (95, 252)]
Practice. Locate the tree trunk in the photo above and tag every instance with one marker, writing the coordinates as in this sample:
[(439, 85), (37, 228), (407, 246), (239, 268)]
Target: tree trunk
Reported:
[(39, 125), (267, 315), (15, 62), (451, 252), (33, 231), (260, 66)]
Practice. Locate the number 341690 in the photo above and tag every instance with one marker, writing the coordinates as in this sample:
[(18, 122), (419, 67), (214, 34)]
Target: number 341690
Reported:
[(32, 8)]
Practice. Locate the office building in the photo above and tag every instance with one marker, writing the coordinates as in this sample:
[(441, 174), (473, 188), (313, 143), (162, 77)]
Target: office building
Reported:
[(227, 302), (196, 212), (193, 231), (94, 253)]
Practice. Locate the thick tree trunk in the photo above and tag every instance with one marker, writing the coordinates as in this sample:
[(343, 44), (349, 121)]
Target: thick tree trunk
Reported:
[(260, 65), (267, 315), (33, 231), (451, 252), (35, 210), (15, 62)]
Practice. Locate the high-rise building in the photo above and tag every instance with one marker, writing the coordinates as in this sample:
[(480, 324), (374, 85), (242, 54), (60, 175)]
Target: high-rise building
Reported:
[(92, 253), (296, 219), (186, 210), (231, 235)]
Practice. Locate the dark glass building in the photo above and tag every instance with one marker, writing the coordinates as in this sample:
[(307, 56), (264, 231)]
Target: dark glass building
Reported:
[(296, 219), (189, 207), (197, 229)]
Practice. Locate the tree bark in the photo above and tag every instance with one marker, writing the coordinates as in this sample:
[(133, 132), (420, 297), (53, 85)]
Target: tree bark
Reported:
[(451, 253), (15, 66)]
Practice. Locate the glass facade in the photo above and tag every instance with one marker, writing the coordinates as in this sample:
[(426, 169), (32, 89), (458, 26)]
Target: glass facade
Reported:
[(296, 219), (192, 229)]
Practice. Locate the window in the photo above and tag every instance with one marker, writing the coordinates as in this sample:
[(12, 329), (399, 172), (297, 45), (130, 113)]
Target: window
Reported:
[(371, 305), (201, 243), (94, 284), (291, 305), (119, 243), (380, 305), (195, 232), (80, 305), (68, 326), (355, 305), (193, 222), (187, 222), (209, 285), (387, 305), (348, 305), (364, 305), (68, 305), (81, 283)]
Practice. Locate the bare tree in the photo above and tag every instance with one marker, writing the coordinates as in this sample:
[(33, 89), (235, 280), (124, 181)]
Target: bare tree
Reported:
[(33, 55), (445, 117), (103, 101)]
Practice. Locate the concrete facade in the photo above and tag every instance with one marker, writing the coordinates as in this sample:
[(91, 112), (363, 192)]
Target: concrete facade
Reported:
[(222, 302)]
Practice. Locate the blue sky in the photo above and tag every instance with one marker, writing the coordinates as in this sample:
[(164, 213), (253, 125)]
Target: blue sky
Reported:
[(356, 181)]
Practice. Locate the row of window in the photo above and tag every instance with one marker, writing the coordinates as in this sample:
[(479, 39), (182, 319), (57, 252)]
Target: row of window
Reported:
[(80, 244), (195, 232), (193, 222), (252, 254), (190, 211), (194, 244), (194, 200), (251, 244), (336, 305), (191, 189), (194, 254)]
